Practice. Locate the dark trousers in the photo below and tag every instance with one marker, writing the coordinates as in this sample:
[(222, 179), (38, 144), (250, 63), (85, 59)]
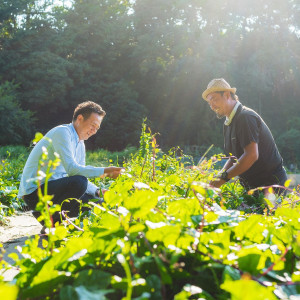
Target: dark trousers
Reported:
[(278, 178), (62, 189)]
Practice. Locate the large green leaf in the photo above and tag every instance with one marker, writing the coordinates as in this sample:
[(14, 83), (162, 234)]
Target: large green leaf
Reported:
[(93, 278), (8, 291), (252, 228), (248, 290), (168, 234), (141, 202)]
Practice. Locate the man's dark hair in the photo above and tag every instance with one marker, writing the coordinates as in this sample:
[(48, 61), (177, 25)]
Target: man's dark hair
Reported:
[(86, 109)]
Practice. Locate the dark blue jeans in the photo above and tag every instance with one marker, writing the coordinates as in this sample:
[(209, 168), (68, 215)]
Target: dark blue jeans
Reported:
[(63, 188)]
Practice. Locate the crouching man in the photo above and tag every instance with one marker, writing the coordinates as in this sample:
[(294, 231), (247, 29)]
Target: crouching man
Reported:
[(69, 179), (247, 137)]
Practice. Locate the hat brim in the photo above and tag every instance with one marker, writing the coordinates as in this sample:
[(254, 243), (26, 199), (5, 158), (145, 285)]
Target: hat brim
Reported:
[(216, 89)]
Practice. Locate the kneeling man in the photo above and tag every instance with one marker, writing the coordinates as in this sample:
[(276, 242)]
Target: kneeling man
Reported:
[(69, 179)]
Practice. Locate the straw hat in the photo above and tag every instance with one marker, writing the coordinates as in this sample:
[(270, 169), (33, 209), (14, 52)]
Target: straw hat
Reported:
[(218, 85)]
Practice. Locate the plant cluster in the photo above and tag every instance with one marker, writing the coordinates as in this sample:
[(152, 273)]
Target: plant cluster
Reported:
[(12, 162), (164, 233), (10, 169)]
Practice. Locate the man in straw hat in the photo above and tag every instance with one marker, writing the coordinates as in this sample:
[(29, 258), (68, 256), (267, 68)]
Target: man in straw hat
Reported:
[(247, 139)]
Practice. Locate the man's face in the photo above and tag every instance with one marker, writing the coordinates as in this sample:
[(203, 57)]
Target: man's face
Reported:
[(87, 128), (217, 103)]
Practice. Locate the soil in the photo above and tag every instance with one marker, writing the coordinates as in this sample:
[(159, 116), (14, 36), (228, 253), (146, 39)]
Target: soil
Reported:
[(15, 232)]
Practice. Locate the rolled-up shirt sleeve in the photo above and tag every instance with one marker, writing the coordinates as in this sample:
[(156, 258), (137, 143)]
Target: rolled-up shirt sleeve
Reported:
[(91, 189), (62, 144)]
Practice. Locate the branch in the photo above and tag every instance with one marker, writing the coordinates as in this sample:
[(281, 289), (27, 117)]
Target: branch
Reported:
[(273, 265), (70, 222)]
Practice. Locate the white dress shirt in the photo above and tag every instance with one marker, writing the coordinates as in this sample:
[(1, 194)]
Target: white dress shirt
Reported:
[(64, 141)]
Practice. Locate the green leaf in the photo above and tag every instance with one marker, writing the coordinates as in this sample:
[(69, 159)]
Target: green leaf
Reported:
[(136, 228), (248, 290), (38, 137), (252, 228), (85, 294), (144, 296), (296, 244), (183, 209), (163, 271), (68, 293), (110, 221), (168, 234), (217, 243), (231, 273), (290, 215), (141, 202), (60, 233), (284, 234), (8, 291), (96, 279), (249, 263), (49, 271), (154, 282), (252, 260), (47, 286)]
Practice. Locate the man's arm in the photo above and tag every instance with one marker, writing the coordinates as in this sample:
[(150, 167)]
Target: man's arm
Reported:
[(61, 141), (244, 163), (228, 165), (112, 172)]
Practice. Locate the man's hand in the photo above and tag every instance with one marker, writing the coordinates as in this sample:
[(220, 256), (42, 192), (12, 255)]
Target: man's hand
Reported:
[(217, 182), (113, 172), (103, 191)]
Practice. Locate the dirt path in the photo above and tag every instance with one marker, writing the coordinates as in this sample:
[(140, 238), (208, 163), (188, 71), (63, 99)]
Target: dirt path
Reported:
[(18, 229)]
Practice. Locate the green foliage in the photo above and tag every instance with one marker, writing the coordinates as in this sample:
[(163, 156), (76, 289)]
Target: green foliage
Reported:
[(15, 123), (289, 142), (14, 152), (12, 162), (161, 234), (10, 170), (150, 58), (104, 157), (8, 291)]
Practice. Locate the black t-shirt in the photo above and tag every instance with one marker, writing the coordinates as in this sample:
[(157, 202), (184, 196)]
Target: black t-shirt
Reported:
[(246, 127)]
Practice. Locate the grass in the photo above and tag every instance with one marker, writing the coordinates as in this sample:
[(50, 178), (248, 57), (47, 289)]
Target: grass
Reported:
[(13, 159)]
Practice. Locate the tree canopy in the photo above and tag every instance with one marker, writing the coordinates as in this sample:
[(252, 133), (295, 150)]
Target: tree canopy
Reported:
[(150, 58)]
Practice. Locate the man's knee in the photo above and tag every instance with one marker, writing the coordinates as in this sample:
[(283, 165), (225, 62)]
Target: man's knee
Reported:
[(78, 183)]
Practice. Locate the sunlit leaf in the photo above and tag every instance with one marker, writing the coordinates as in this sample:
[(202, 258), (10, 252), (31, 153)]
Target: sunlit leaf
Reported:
[(8, 291), (287, 183), (248, 290)]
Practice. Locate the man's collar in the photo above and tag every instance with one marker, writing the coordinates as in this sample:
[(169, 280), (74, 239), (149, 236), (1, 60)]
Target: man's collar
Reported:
[(232, 114), (75, 133)]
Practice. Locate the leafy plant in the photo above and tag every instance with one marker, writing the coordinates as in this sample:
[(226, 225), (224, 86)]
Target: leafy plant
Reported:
[(9, 182), (164, 233)]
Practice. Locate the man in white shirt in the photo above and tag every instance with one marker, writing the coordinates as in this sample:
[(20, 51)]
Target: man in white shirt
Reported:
[(69, 179)]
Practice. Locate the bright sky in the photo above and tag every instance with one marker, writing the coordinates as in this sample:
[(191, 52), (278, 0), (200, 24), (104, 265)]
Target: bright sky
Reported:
[(67, 3)]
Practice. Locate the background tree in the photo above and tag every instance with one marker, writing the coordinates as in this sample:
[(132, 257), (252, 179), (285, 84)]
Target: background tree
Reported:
[(15, 123), (152, 59)]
